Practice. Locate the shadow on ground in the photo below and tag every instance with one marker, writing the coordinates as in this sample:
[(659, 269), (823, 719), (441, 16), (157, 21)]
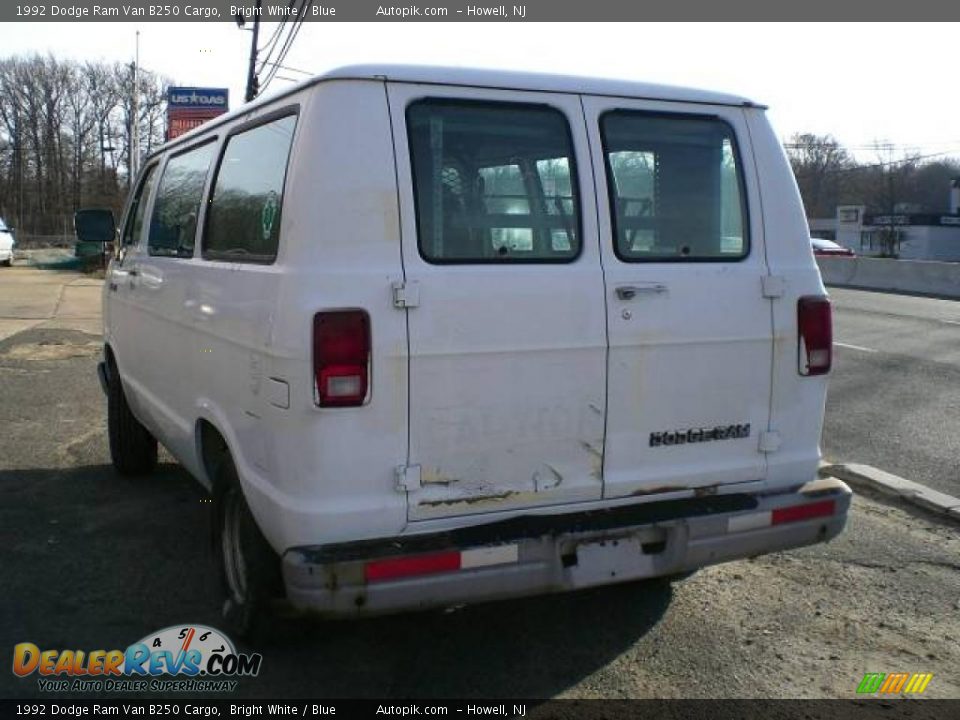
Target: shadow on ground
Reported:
[(95, 561)]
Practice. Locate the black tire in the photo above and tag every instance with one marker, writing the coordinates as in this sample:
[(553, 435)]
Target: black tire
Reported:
[(132, 448), (249, 568)]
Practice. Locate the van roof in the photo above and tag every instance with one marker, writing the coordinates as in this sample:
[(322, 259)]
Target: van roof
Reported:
[(476, 77), (547, 82)]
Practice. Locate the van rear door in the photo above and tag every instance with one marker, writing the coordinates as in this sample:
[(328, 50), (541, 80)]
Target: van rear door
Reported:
[(503, 292), (690, 328)]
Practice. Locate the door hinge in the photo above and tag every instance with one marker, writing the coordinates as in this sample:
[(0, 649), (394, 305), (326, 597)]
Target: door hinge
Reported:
[(406, 294), (407, 478), (773, 285), (769, 441)]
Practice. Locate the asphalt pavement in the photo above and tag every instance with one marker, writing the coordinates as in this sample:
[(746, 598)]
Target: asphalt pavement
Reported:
[(894, 398)]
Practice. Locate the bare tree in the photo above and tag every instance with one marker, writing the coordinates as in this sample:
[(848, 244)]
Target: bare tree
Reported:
[(817, 162), (65, 137)]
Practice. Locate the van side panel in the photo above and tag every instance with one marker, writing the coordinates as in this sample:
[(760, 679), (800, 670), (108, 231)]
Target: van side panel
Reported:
[(797, 403), (329, 472)]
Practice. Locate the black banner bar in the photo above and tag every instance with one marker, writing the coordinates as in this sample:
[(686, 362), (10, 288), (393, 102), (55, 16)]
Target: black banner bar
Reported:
[(866, 709), (478, 11)]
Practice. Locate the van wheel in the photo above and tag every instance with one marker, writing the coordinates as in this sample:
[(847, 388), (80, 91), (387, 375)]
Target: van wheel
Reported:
[(133, 449), (249, 568)]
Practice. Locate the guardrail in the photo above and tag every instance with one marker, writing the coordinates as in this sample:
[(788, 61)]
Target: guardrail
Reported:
[(910, 276)]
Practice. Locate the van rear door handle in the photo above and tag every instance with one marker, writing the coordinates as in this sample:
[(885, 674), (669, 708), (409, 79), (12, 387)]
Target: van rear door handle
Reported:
[(628, 292)]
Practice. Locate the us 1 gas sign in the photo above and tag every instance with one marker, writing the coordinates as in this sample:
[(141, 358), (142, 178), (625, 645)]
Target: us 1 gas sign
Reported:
[(190, 107)]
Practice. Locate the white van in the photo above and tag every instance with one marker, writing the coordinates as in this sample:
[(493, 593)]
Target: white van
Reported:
[(433, 336)]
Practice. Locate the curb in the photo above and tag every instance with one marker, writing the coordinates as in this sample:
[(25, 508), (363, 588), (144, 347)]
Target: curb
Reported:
[(890, 484)]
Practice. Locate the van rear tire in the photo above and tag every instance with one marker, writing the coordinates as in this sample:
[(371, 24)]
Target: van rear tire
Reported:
[(249, 568), (133, 449)]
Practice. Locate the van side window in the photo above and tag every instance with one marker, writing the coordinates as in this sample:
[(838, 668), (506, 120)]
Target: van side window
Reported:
[(173, 225), (243, 220), (494, 182), (131, 233), (676, 191)]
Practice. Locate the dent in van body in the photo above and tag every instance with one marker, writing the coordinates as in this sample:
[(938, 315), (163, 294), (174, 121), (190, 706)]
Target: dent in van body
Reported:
[(546, 477), (472, 480)]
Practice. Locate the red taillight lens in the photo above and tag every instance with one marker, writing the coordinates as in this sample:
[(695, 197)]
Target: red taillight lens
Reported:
[(815, 351), (341, 357)]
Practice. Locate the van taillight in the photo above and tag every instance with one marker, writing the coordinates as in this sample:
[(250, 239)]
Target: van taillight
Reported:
[(814, 322), (341, 357)]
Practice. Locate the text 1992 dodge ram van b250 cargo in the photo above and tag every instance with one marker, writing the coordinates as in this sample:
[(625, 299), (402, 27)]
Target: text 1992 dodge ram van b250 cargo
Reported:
[(434, 336)]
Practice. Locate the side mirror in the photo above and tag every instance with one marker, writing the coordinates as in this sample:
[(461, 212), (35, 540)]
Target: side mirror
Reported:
[(95, 225)]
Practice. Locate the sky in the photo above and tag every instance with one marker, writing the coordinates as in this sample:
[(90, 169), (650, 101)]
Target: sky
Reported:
[(863, 83)]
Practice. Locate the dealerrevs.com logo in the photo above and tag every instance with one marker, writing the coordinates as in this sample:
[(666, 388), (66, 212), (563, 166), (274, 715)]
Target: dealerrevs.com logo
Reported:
[(180, 658)]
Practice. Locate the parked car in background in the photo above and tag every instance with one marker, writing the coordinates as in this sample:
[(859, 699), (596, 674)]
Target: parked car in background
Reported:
[(7, 243), (828, 248)]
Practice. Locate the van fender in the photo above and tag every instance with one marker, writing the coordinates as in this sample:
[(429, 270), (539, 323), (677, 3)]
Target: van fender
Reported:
[(262, 498)]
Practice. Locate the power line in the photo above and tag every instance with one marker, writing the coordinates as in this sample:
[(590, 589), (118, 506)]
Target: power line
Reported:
[(872, 146), (290, 69), (273, 38), (271, 44), (890, 163), (291, 36)]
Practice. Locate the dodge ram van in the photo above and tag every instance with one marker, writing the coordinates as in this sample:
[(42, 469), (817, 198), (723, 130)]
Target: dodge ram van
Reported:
[(435, 336)]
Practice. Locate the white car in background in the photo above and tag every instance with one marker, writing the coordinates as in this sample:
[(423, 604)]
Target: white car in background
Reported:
[(6, 244)]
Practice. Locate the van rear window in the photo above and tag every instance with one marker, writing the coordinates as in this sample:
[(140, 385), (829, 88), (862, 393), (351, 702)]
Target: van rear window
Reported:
[(676, 192), (243, 220), (494, 182)]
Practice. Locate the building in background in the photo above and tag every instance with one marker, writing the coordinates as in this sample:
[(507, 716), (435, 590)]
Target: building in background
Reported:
[(907, 235), (190, 107)]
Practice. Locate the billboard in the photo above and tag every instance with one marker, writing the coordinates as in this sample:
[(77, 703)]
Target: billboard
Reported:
[(190, 107)]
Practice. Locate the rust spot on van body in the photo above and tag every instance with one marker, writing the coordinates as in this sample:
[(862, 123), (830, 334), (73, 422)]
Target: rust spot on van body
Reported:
[(433, 476), (469, 500), (657, 490), (705, 491), (590, 449), (596, 459)]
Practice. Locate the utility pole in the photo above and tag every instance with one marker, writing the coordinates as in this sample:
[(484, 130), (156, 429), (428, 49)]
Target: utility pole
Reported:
[(135, 129), (252, 80)]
